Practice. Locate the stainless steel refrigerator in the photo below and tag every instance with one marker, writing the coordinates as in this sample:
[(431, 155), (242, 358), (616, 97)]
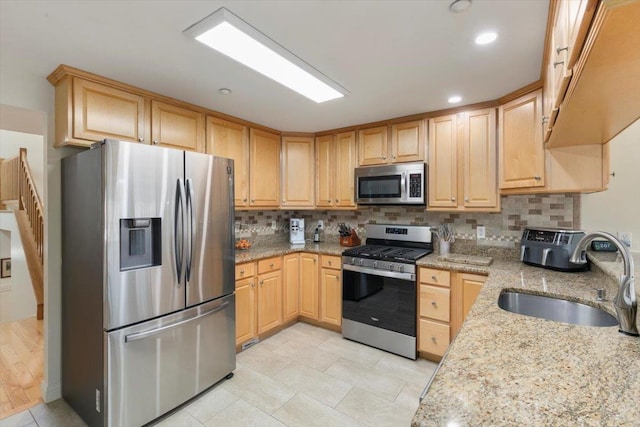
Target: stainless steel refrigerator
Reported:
[(148, 304)]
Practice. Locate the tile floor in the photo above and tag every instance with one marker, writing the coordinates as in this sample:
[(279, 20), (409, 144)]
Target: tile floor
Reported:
[(302, 376)]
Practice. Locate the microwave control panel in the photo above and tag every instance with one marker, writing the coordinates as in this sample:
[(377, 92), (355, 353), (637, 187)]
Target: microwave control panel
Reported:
[(415, 185)]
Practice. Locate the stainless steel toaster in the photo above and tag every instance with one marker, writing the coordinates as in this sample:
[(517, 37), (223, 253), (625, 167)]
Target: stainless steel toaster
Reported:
[(551, 248)]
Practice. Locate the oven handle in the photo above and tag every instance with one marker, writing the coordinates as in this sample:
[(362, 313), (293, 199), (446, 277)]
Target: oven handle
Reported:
[(376, 272)]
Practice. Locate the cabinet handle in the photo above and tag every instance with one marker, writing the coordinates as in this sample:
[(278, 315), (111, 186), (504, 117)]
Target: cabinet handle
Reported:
[(453, 199), (156, 142), (545, 119), (384, 157), (140, 139), (271, 265), (466, 199), (336, 200), (253, 200), (244, 200), (242, 272), (434, 278), (329, 262), (433, 339), (284, 201), (560, 49), (555, 64), (537, 178), (261, 282), (393, 156), (433, 303)]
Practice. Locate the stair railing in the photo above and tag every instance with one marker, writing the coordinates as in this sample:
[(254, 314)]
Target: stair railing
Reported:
[(29, 200)]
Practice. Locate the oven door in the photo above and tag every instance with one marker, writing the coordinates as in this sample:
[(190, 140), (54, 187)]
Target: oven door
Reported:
[(383, 299)]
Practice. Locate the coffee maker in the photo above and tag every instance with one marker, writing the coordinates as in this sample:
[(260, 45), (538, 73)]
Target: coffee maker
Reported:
[(296, 231)]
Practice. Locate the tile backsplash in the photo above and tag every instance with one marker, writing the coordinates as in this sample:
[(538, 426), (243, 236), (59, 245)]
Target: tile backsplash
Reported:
[(502, 228)]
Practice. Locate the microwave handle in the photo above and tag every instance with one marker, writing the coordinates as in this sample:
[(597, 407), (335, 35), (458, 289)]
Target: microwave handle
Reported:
[(403, 185)]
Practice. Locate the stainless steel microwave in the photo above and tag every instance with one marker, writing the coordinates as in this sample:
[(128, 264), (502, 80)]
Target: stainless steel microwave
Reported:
[(399, 184)]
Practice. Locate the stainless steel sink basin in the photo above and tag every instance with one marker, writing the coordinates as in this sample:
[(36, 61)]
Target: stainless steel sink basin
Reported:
[(556, 309)]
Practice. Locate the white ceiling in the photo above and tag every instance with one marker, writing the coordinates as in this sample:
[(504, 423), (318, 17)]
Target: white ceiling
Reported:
[(396, 58)]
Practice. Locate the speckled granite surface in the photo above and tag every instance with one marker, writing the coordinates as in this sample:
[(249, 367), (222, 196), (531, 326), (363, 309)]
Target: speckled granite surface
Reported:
[(508, 369), (266, 249)]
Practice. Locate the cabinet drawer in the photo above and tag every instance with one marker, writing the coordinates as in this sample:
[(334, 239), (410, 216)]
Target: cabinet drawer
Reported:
[(241, 283), (435, 277), (329, 261), (434, 302), (269, 264), (245, 270), (434, 337)]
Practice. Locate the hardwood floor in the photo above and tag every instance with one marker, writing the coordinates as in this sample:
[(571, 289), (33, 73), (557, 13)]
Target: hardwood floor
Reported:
[(21, 365)]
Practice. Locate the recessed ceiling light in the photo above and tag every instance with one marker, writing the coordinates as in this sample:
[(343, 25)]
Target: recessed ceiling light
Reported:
[(454, 99), (231, 36), (459, 6), (224, 91), (486, 38)]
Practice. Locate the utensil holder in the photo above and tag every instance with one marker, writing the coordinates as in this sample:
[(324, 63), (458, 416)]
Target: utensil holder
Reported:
[(351, 240)]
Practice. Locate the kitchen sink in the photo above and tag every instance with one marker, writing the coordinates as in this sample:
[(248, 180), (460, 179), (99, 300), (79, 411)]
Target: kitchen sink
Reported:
[(556, 309)]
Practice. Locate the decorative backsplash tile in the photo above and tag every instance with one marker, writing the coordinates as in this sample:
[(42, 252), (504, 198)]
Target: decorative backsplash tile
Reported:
[(504, 228)]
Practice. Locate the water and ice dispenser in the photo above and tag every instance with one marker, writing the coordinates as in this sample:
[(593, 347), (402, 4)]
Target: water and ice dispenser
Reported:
[(140, 243)]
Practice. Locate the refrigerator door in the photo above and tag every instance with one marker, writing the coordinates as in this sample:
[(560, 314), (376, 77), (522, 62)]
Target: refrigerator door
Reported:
[(210, 252), (157, 365), (142, 183)]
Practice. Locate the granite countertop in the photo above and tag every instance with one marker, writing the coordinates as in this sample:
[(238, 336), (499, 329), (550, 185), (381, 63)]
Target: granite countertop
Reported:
[(508, 369), (279, 247)]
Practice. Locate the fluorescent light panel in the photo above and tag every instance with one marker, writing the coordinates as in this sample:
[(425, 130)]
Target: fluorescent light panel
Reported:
[(231, 36)]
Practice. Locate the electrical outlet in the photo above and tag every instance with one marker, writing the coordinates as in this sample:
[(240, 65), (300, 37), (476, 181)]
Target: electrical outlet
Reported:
[(320, 224), (625, 237), (480, 232)]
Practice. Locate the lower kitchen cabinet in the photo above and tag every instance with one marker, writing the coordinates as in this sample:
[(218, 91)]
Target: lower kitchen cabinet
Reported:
[(245, 310), (269, 294), (465, 288), (331, 290), (290, 287), (309, 286), (433, 311)]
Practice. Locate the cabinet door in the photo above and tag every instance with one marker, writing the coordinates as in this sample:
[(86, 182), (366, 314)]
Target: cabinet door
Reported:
[(309, 285), (559, 53), (443, 162), (245, 310), (325, 159), (372, 146), (407, 142), (290, 287), (480, 152), (521, 151), (264, 161), (298, 172), (177, 127), (343, 170), (102, 112), (231, 140), (331, 296), (269, 301), (464, 290)]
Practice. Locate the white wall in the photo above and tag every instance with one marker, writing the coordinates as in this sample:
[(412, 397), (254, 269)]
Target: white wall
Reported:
[(10, 144), (34, 93), (19, 302), (618, 208)]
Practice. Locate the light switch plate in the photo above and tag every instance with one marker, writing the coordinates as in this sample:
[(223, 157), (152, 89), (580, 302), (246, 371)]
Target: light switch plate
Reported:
[(480, 232), (320, 224)]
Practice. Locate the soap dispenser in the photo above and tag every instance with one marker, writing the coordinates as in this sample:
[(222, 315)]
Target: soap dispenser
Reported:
[(316, 235)]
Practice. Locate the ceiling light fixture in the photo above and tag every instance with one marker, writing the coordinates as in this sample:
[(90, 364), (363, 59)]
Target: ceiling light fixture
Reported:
[(224, 91), (459, 6), (233, 37), (454, 99), (486, 38)]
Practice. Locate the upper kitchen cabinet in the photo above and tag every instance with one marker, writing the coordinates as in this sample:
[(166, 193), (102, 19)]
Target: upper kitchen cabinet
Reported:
[(462, 166), (298, 172), (335, 163), (177, 127), (521, 152), (87, 112), (231, 140), (407, 144), (602, 97), (264, 174)]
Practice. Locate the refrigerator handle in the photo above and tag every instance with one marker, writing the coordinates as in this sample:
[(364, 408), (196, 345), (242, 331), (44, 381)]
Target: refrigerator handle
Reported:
[(146, 334), (178, 229), (190, 234)]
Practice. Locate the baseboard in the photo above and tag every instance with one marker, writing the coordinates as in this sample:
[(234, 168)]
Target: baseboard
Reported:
[(50, 392)]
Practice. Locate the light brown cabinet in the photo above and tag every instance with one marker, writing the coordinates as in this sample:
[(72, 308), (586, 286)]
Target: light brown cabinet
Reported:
[(246, 326), (177, 127), (465, 288), (290, 287), (407, 144), (462, 167), (331, 290), (298, 172), (309, 286), (231, 140), (264, 163), (433, 311), (269, 298), (335, 164)]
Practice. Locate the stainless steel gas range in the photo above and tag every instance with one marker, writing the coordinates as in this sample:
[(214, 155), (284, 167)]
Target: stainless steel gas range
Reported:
[(379, 297)]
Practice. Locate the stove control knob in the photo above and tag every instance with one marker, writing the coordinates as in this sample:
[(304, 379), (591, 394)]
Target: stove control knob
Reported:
[(361, 262), (353, 261), (401, 268), (375, 264), (391, 267)]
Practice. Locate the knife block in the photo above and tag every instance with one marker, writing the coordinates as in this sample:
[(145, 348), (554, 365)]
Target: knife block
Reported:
[(351, 240)]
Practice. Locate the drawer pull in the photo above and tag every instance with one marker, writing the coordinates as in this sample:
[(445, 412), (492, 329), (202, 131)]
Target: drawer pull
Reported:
[(271, 265), (329, 262), (433, 339), (433, 303), (242, 272), (434, 278)]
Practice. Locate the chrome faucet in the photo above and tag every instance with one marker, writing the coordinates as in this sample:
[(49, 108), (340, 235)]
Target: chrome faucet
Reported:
[(624, 302)]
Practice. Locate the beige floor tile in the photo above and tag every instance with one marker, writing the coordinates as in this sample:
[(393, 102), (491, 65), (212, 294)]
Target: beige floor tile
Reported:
[(20, 419), (258, 389), (312, 357), (300, 335), (416, 371), (55, 414), (318, 333), (303, 410), (211, 403), (261, 359), (354, 351), (386, 386), (242, 413), (179, 419), (315, 384), (373, 410), (409, 396)]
